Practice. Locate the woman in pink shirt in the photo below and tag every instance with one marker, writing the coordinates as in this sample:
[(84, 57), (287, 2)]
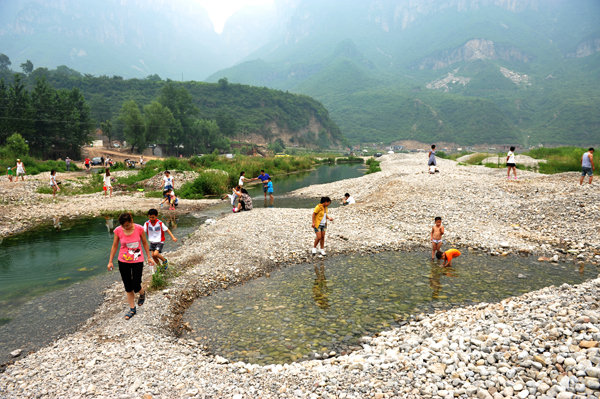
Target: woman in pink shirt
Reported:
[(133, 245)]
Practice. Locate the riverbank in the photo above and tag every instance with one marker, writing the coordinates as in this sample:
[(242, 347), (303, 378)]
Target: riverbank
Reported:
[(543, 342), (23, 208)]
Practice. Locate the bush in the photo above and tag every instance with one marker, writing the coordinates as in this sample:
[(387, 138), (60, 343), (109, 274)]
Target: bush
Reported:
[(208, 183), (560, 159), (373, 166), (350, 159)]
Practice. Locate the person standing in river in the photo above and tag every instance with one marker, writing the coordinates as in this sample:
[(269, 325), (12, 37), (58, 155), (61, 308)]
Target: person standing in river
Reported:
[(510, 163), (130, 241), (263, 177), (432, 161), (587, 165), (319, 224)]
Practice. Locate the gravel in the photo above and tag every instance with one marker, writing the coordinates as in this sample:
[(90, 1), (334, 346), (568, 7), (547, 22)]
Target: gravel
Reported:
[(541, 344)]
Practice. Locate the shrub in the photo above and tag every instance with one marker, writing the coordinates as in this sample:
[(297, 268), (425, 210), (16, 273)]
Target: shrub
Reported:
[(373, 166), (208, 183)]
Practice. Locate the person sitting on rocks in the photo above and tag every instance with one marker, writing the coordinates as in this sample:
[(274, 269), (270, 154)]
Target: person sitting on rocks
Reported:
[(448, 256), (244, 203), (348, 200)]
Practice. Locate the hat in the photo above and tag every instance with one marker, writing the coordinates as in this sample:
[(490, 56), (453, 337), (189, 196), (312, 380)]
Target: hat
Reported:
[(18, 159)]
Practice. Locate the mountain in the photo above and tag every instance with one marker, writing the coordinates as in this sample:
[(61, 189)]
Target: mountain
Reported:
[(463, 71)]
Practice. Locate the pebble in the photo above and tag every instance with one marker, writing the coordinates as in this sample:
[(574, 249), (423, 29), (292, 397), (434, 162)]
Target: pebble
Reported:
[(484, 350)]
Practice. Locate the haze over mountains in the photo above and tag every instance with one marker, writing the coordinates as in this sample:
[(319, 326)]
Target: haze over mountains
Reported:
[(463, 71)]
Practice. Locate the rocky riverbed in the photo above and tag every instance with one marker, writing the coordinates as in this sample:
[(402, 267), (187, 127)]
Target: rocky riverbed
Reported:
[(22, 207), (542, 344)]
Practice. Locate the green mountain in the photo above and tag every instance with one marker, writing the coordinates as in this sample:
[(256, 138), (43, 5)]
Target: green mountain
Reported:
[(463, 71), (254, 114)]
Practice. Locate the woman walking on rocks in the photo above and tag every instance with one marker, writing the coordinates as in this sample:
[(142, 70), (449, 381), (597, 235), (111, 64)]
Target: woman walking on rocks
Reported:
[(319, 223), (107, 183), (133, 245), (510, 163)]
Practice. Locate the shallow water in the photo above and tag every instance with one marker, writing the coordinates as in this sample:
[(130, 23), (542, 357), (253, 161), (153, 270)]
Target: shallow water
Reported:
[(330, 303)]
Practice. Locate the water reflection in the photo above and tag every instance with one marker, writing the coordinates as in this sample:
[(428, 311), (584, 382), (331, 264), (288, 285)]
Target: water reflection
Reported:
[(435, 274), (320, 289)]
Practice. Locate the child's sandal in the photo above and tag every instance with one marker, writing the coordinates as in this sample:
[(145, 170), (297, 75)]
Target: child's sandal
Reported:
[(142, 299), (130, 314)]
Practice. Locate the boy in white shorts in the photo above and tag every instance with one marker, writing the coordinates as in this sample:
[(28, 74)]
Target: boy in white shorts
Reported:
[(155, 229)]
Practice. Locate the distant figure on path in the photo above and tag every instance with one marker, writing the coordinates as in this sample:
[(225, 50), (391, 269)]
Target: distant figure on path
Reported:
[(431, 161), (448, 256), (348, 200), (107, 184), (130, 241), (587, 165), (20, 170), (437, 231), (86, 162), (53, 183), (141, 161), (510, 163), (68, 163), (319, 224)]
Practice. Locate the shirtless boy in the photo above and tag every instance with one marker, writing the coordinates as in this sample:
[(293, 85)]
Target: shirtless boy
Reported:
[(437, 231)]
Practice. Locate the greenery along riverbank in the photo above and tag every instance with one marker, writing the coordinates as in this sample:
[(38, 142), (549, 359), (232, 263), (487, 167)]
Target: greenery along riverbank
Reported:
[(558, 159)]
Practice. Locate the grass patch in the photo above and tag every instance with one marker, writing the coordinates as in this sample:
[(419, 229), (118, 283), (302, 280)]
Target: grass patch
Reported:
[(476, 158), (208, 183), (159, 279), (35, 166), (560, 159), (374, 166), (95, 184), (349, 159)]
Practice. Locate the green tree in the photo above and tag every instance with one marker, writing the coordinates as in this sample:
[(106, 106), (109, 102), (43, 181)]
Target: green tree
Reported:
[(159, 122), (4, 62), (226, 123), (75, 120), (179, 101), (27, 67), (106, 128), (133, 124), (45, 131), (16, 146)]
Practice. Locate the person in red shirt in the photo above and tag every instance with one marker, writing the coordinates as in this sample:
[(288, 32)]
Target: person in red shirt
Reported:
[(448, 256), (87, 164)]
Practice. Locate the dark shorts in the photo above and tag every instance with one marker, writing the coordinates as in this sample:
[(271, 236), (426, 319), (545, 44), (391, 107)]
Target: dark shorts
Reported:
[(320, 228), (431, 163), (586, 171), (157, 246), (511, 165), (131, 274), (264, 189)]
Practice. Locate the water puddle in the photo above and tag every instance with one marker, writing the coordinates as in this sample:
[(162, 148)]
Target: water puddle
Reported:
[(327, 305)]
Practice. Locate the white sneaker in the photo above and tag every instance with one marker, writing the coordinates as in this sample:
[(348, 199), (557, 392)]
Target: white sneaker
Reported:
[(322, 252), (314, 251)]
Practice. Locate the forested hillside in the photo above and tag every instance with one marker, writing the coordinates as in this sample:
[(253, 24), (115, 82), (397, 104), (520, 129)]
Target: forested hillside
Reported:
[(463, 71), (191, 117)]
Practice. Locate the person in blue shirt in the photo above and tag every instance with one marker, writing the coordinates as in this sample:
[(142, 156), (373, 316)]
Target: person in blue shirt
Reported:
[(269, 190), (263, 177)]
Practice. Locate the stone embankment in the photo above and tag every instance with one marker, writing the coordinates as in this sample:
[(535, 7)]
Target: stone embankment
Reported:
[(541, 344)]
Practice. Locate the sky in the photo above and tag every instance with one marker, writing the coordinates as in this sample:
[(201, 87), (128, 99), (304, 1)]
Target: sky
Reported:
[(220, 10)]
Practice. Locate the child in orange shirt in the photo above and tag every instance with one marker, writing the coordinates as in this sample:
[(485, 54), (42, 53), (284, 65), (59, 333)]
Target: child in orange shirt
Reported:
[(448, 256)]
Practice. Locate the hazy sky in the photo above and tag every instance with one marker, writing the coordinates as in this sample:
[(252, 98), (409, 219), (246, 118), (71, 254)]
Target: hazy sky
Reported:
[(220, 10)]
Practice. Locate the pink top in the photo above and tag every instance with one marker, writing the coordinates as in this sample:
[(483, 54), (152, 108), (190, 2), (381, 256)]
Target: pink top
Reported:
[(131, 250)]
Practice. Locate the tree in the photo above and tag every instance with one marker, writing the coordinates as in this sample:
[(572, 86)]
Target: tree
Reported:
[(106, 128), (226, 123), (4, 62), (133, 124), (159, 122), (16, 146), (179, 101), (27, 67), (45, 131)]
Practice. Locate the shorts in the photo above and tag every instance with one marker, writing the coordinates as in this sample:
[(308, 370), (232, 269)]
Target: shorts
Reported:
[(87, 165), (106, 187), (432, 163), (586, 171), (511, 165), (264, 189), (320, 228), (20, 173), (437, 241), (157, 246), (131, 274)]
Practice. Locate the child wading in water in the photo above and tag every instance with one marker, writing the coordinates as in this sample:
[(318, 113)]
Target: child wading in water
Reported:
[(437, 231), (448, 256), (156, 236), (319, 223), (133, 245)]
